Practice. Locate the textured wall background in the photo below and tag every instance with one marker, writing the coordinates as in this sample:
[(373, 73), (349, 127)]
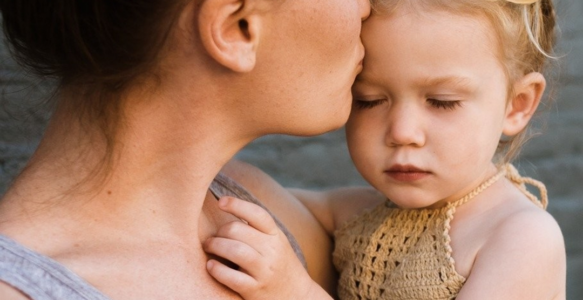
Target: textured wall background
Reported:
[(555, 156)]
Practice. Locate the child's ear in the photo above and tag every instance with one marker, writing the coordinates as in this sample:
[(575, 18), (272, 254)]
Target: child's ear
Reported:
[(229, 31), (528, 92)]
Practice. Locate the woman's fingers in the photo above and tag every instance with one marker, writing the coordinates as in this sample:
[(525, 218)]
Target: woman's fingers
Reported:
[(253, 214)]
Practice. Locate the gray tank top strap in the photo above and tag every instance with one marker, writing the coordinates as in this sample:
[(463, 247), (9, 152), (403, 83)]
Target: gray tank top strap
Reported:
[(39, 277), (225, 186)]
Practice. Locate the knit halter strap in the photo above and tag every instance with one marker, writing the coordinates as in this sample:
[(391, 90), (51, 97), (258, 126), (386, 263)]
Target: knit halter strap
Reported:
[(520, 182)]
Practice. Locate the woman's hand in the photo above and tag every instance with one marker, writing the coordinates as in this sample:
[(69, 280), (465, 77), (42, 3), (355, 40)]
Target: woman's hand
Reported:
[(268, 266)]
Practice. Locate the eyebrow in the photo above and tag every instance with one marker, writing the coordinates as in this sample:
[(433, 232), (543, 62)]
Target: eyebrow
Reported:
[(456, 81), (460, 83)]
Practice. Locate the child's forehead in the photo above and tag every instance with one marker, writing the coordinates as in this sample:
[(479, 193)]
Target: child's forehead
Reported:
[(439, 38), (444, 50)]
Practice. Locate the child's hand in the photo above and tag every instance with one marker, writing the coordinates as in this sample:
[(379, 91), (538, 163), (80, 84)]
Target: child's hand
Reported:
[(268, 266)]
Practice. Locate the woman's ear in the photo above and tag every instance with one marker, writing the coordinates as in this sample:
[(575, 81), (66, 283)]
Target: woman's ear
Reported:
[(528, 92), (229, 31)]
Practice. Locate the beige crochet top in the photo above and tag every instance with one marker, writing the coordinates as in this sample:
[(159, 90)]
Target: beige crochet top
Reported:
[(393, 253)]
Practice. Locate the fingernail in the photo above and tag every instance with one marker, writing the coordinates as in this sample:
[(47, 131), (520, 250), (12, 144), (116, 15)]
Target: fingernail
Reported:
[(223, 201), (209, 264)]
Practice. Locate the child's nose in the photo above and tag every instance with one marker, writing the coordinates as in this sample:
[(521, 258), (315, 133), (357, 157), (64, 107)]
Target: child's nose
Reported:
[(405, 127)]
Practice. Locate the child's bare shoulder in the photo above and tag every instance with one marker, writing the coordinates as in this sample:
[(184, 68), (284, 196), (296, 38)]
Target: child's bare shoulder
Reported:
[(525, 225), (526, 243)]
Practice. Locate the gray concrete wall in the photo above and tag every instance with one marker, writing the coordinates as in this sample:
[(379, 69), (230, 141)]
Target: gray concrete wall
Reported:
[(555, 156), (22, 115)]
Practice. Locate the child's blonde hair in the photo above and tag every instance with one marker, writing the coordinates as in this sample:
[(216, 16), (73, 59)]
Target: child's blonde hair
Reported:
[(525, 30)]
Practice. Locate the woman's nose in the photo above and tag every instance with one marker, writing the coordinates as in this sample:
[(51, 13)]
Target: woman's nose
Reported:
[(364, 6), (405, 126)]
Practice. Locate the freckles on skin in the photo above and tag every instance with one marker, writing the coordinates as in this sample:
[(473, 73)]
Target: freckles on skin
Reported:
[(314, 48), (343, 17)]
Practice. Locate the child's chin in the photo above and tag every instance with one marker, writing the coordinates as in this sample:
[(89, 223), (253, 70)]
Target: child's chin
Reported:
[(412, 202)]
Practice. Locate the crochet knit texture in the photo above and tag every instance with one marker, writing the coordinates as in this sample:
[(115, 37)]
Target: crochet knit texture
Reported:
[(393, 253)]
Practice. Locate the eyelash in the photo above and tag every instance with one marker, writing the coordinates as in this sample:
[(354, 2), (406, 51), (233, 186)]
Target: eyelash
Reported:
[(361, 104), (447, 105)]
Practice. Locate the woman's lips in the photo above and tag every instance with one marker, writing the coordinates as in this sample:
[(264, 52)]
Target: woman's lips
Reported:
[(406, 173)]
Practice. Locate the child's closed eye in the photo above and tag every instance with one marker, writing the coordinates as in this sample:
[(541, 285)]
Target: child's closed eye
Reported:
[(366, 104), (444, 104)]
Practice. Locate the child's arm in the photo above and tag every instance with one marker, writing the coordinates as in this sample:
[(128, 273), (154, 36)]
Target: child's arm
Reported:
[(523, 259), (313, 239), (268, 267), (333, 208)]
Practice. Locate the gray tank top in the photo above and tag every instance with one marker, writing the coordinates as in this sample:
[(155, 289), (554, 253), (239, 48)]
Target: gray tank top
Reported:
[(41, 278)]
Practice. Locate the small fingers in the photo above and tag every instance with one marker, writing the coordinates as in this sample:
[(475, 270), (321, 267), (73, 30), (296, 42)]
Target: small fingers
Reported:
[(234, 251), (240, 231), (253, 214), (233, 279)]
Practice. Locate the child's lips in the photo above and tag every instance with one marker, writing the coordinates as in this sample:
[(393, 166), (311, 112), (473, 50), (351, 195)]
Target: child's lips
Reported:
[(406, 173)]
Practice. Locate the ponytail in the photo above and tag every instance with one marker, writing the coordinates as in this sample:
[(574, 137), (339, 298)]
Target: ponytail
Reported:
[(540, 21)]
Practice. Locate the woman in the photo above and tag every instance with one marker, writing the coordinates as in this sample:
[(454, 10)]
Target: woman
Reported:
[(155, 97)]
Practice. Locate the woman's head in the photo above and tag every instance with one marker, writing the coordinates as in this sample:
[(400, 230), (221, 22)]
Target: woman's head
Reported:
[(107, 45), (301, 56), (433, 100), (525, 32)]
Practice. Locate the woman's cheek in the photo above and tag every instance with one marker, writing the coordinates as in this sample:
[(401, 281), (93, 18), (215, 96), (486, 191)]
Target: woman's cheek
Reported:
[(357, 139)]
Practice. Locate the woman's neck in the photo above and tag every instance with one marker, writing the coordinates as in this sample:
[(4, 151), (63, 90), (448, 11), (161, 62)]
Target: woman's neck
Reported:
[(166, 156)]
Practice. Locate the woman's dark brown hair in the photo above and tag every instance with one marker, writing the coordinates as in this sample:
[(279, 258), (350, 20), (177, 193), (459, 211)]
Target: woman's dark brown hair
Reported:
[(105, 42), (99, 47)]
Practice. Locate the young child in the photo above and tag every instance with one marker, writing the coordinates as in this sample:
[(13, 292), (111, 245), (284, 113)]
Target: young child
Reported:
[(446, 93)]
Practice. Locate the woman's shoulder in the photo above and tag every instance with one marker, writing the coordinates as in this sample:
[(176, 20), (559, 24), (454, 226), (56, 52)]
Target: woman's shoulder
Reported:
[(271, 194), (263, 187), (251, 178), (8, 292)]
